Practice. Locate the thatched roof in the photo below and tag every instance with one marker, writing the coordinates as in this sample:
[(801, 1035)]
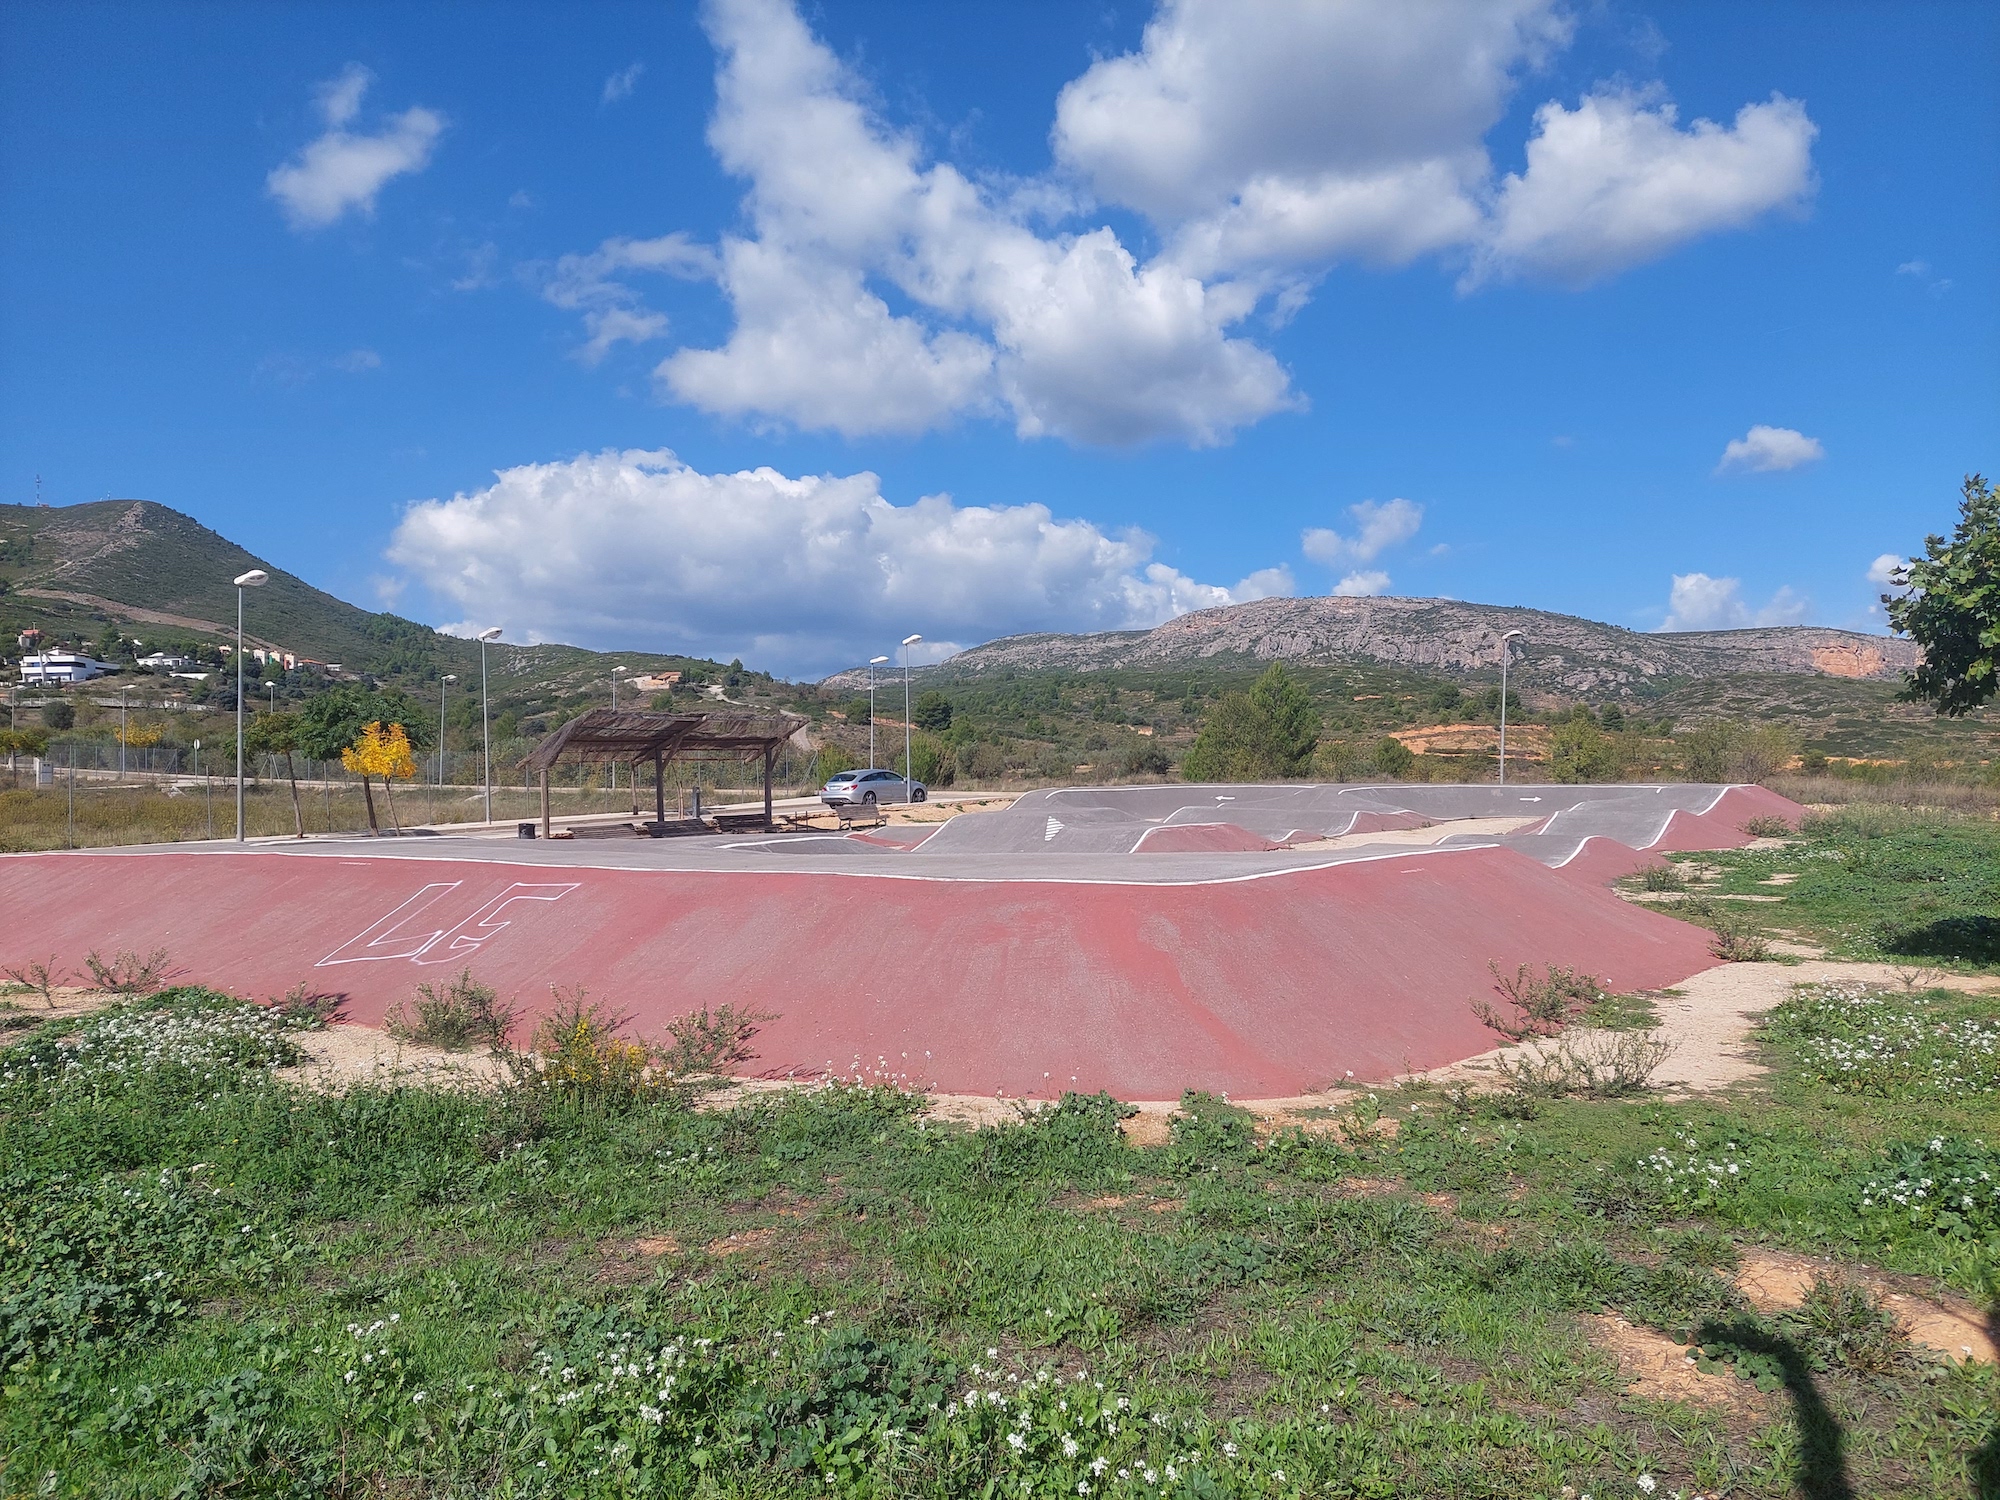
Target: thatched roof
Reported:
[(606, 734)]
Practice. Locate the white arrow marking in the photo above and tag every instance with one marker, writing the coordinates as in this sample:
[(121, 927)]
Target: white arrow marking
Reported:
[(1055, 827)]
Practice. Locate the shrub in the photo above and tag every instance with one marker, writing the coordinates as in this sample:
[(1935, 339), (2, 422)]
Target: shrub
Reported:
[(1147, 760), (829, 762), (308, 1011), (41, 978), (1844, 1325), (457, 1014), (577, 1052), (1599, 1065), (1768, 826), (59, 715), (1579, 751), (127, 974), (1737, 938), (708, 1043), (1267, 732), (1663, 876), (1391, 757), (1543, 1006), (932, 711)]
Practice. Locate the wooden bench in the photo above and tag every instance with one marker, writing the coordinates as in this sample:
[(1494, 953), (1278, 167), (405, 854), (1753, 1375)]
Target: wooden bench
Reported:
[(741, 822)]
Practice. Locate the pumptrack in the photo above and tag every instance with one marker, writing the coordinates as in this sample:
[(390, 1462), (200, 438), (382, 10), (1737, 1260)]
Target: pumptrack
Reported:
[(1259, 940)]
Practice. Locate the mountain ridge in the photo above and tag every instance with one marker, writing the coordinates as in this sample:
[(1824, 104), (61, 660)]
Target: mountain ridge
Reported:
[(1558, 653)]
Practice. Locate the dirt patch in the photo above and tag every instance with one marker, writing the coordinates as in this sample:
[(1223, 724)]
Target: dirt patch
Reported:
[(1655, 1367), (1778, 1280), (1149, 1127), (743, 1241), (1710, 1016), (344, 1055)]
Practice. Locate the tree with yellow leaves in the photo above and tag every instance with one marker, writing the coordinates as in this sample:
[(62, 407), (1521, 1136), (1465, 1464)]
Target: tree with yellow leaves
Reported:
[(384, 753)]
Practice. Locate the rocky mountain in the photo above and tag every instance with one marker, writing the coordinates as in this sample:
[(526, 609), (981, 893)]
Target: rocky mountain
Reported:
[(1556, 653)]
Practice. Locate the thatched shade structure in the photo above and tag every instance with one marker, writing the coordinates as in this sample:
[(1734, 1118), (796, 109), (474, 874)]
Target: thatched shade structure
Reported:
[(615, 734)]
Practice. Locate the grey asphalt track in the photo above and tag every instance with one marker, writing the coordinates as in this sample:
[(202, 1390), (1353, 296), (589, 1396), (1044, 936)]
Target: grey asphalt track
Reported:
[(1101, 834)]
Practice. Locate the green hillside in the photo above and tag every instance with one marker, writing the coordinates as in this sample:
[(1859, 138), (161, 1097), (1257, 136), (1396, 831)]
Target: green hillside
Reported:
[(143, 571)]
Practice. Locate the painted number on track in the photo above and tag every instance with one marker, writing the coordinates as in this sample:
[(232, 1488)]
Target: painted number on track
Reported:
[(421, 929)]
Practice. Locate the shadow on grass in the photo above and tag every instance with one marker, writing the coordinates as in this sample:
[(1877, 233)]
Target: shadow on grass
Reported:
[(1822, 1445), (1986, 1461), (1972, 938)]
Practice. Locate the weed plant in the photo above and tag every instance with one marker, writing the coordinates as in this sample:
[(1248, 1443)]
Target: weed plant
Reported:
[(220, 1282), (459, 1013)]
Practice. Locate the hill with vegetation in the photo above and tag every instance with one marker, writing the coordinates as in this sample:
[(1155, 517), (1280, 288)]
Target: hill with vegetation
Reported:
[(110, 574), (1560, 654)]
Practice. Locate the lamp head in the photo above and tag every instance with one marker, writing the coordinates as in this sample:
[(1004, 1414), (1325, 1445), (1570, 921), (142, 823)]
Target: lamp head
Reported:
[(491, 633), (876, 661), (256, 578), (451, 677), (911, 640), (1510, 635)]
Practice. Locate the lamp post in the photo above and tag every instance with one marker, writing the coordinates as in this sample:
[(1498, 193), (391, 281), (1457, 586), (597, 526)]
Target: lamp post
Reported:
[(1505, 653), (256, 578), (616, 673), (909, 771), (491, 633), (448, 677), (873, 663), (124, 727)]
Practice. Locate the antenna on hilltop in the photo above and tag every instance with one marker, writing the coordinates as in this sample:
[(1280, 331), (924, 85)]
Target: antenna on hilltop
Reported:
[(39, 501)]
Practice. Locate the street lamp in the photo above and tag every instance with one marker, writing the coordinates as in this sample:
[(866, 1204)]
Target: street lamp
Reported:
[(908, 770), (447, 678), (1505, 653), (124, 727), (873, 663), (256, 578), (491, 633), (616, 673)]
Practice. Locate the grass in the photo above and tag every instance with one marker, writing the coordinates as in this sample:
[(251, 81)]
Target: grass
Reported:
[(1866, 881), (222, 1283), (108, 814)]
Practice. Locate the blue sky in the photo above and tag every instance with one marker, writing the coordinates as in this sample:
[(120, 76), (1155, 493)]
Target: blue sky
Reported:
[(785, 332)]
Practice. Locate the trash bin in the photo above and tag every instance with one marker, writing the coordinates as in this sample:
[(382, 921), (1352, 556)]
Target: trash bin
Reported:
[(524, 830)]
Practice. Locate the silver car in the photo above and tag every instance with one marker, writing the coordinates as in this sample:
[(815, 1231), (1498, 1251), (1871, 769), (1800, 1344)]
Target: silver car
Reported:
[(866, 788)]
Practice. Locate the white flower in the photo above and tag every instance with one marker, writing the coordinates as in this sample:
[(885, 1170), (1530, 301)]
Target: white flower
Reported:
[(1648, 1483), (1016, 1441)]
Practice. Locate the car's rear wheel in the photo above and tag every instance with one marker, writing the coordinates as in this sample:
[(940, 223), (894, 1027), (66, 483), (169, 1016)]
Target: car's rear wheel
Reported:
[(869, 798)]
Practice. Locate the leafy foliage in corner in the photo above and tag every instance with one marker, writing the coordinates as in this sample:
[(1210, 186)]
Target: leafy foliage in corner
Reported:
[(1950, 605)]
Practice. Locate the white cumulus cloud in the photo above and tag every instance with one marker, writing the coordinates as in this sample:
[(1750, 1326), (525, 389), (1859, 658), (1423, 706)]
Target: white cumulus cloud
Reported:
[(1071, 335), (1883, 569), (1615, 182), (878, 289), (1765, 450), (1698, 602), (1318, 129), (1362, 585), (1378, 525), (342, 169), (807, 574)]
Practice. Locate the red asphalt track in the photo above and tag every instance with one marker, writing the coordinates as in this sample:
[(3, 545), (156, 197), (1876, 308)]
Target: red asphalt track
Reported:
[(1263, 987)]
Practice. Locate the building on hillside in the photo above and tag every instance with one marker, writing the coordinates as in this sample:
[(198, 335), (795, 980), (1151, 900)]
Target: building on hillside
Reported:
[(165, 661), (61, 667)]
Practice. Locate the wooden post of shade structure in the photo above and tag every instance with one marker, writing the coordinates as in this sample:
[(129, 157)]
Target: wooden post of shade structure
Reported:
[(545, 802)]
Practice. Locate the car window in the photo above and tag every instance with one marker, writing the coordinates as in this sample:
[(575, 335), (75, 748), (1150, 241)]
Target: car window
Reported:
[(841, 776)]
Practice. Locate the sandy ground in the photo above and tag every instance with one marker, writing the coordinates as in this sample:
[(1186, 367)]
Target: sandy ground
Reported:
[(1709, 1018)]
